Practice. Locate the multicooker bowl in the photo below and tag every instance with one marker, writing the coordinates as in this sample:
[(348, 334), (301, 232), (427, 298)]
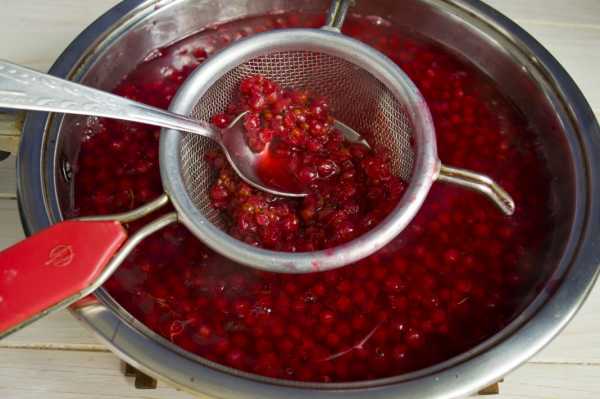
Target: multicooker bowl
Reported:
[(530, 77)]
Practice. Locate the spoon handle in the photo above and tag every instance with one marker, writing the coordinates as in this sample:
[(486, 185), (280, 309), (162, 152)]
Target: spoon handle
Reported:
[(26, 89)]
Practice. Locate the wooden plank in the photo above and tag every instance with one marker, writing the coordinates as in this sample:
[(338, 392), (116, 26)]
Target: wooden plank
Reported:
[(549, 381), (33, 374), (69, 17), (578, 52), (10, 224), (546, 20), (44, 28), (573, 12), (580, 340), (8, 180), (10, 131), (567, 29), (57, 331), (549, 21), (577, 344)]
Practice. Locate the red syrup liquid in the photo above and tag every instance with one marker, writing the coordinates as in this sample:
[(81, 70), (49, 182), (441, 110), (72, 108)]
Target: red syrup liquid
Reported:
[(458, 274)]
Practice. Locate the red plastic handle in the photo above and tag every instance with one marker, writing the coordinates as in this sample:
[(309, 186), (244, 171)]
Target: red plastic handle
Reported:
[(53, 265)]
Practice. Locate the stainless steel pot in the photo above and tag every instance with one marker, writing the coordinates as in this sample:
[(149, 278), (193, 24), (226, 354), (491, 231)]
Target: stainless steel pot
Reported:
[(528, 74)]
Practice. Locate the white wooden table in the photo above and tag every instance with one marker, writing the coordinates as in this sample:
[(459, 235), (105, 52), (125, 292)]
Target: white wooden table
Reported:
[(58, 358)]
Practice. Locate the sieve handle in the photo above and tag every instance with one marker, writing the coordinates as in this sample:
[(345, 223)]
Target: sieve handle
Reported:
[(49, 270), (26, 89), (60, 265), (480, 183)]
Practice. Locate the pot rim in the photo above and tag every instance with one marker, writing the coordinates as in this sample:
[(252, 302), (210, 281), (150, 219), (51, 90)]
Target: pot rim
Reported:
[(486, 363)]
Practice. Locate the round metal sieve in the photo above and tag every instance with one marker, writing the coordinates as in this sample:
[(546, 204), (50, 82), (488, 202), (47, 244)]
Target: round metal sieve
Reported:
[(366, 91)]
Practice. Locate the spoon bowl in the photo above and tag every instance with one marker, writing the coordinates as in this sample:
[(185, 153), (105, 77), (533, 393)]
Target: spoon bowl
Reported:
[(245, 162)]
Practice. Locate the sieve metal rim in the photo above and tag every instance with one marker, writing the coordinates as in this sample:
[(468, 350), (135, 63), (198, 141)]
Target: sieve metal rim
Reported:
[(426, 163)]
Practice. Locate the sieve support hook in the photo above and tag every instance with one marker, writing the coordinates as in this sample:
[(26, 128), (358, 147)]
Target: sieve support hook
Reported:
[(337, 14), (480, 183)]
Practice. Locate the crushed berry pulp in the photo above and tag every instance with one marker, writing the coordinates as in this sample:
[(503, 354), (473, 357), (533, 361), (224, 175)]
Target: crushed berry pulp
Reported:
[(351, 187), (459, 273)]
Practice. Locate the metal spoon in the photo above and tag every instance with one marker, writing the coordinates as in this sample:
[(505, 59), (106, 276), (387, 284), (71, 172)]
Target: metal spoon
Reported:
[(26, 89)]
